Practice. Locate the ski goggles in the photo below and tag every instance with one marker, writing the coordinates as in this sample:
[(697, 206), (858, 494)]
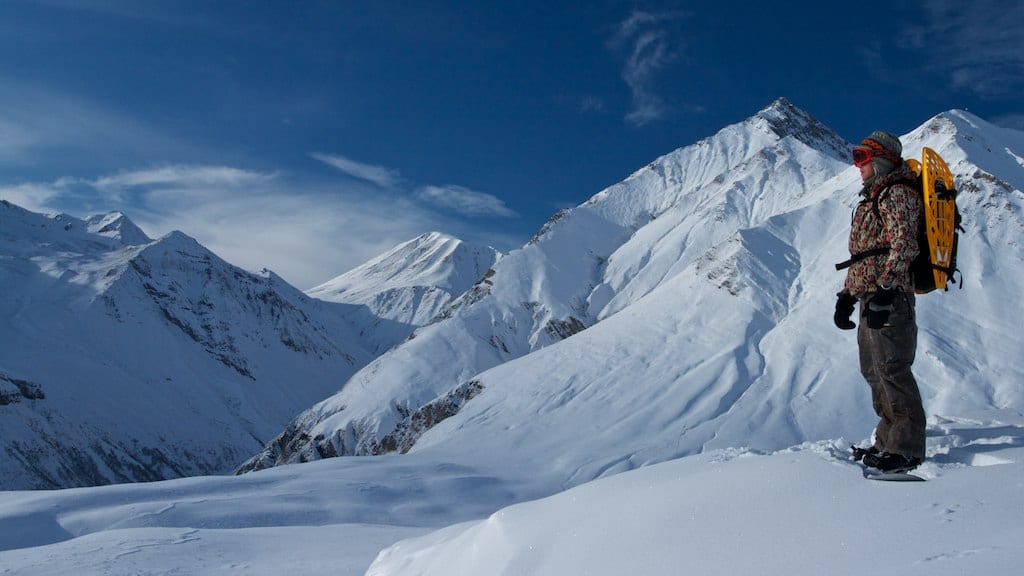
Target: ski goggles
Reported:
[(863, 154)]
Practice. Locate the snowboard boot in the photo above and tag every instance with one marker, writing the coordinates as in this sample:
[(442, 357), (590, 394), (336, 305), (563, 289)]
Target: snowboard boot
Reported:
[(887, 462), (859, 453)]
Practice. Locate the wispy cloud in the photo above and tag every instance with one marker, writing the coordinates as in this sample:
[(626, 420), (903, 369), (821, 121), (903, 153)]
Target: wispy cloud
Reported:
[(647, 44), (36, 122), (175, 179), (307, 230), (379, 175), (450, 198), (307, 236), (183, 175), (465, 201), (975, 44), (37, 197), (307, 233)]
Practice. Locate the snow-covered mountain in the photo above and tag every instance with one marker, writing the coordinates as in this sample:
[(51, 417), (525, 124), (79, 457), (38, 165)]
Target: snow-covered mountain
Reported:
[(128, 359), (408, 286), (691, 305), (686, 314), (117, 226), (586, 265)]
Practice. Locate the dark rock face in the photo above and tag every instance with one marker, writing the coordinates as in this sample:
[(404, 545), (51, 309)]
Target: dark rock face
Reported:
[(15, 390), (295, 444)]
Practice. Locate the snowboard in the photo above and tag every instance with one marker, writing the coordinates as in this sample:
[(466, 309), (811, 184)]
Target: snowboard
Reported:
[(892, 476)]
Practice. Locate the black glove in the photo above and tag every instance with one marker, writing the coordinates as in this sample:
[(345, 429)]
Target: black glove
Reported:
[(844, 309), (879, 307)]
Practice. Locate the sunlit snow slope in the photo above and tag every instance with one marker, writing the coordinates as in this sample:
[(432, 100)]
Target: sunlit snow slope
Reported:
[(689, 308)]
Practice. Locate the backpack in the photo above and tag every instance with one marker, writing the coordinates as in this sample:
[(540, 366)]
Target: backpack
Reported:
[(937, 229)]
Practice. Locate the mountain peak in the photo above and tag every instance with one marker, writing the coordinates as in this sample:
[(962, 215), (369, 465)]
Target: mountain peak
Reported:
[(431, 259), (782, 115), (117, 226), (786, 120), (434, 237), (414, 281), (783, 105)]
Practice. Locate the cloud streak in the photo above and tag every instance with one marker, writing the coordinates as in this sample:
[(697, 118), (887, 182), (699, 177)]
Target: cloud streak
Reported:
[(306, 236), (647, 46), (307, 229), (451, 197), (379, 175), (182, 175), (465, 201)]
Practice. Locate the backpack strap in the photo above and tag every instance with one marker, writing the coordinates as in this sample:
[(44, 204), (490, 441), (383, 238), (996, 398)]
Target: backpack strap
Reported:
[(862, 256)]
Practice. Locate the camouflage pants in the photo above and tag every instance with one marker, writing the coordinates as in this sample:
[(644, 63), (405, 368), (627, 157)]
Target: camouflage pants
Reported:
[(886, 355)]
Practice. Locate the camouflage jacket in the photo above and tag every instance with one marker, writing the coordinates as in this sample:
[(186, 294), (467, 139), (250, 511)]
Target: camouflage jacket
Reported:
[(893, 225)]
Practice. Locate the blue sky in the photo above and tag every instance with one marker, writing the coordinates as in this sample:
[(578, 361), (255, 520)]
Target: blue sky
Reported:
[(309, 136)]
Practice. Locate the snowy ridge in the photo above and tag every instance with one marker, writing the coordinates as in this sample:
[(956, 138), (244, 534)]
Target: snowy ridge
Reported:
[(739, 349), (156, 333), (700, 173), (786, 120), (410, 285), (117, 226), (702, 327), (585, 265), (110, 345)]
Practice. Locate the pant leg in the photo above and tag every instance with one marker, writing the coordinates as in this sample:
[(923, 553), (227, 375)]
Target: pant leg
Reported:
[(869, 370), (886, 356)]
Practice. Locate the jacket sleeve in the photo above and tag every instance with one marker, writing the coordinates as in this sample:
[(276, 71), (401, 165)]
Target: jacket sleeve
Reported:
[(899, 209)]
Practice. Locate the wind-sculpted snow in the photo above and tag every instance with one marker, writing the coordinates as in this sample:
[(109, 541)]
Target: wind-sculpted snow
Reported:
[(800, 511), (804, 510)]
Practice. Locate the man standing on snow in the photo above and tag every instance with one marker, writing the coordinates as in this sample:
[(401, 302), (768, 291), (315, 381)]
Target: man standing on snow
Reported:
[(883, 241)]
